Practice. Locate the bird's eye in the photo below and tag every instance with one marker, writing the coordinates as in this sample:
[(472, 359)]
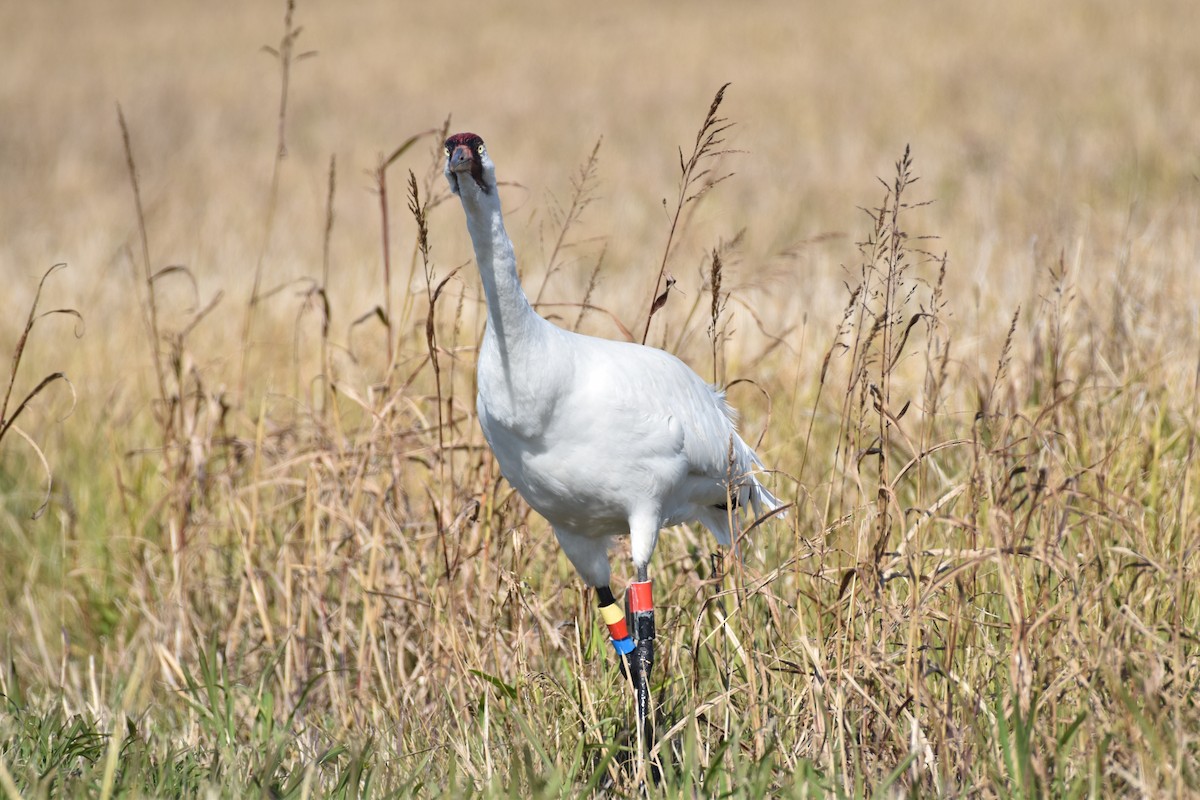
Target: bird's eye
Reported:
[(479, 149), (446, 150)]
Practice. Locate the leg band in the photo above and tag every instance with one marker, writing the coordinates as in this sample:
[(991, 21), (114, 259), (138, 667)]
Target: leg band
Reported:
[(641, 596), (614, 618), (623, 646), (640, 601)]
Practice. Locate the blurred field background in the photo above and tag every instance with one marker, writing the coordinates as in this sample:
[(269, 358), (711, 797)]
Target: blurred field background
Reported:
[(277, 562)]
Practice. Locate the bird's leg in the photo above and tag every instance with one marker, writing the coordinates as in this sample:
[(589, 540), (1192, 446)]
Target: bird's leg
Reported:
[(639, 602), (614, 618)]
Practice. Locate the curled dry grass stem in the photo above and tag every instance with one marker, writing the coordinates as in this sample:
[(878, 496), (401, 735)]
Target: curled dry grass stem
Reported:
[(585, 304), (7, 420), (149, 302), (286, 58), (693, 171), (381, 187), (582, 193)]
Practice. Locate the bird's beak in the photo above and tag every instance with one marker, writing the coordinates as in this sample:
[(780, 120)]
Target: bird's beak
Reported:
[(460, 159)]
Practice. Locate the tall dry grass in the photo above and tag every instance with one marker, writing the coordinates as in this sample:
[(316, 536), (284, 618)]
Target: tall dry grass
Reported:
[(279, 559)]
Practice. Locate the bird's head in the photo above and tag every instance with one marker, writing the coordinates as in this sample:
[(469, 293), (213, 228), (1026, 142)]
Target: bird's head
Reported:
[(466, 156)]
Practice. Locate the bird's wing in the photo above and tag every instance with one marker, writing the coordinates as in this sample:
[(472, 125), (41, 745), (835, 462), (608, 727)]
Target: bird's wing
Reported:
[(643, 391)]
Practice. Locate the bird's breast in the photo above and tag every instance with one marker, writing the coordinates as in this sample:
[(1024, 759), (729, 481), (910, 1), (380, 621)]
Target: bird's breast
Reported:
[(518, 399), (585, 470)]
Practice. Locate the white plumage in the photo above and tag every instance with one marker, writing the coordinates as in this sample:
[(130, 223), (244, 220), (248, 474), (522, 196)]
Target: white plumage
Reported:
[(601, 438)]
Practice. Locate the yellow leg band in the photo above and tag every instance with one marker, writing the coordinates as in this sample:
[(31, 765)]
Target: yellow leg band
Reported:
[(612, 614)]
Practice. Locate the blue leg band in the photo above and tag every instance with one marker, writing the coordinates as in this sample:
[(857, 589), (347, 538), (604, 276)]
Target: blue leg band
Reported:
[(623, 646)]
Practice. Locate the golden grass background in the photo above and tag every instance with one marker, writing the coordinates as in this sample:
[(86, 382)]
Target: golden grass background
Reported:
[(1058, 145)]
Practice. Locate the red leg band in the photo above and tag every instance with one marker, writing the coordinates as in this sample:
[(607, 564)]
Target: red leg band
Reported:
[(641, 596), (614, 618)]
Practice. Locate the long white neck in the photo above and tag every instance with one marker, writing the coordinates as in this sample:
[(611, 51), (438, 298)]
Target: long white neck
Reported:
[(511, 320)]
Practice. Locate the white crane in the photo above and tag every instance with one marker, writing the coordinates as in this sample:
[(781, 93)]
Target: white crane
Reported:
[(602, 438)]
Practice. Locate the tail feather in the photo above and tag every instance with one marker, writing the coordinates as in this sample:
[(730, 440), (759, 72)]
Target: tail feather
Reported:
[(761, 500), (750, 488), (748, 492)]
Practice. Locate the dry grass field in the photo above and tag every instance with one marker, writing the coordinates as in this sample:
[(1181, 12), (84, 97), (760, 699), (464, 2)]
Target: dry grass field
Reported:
[(276, 558)]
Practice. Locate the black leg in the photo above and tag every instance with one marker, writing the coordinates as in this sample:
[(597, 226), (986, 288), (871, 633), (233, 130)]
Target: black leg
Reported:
[(639, 605), (635, 653)]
